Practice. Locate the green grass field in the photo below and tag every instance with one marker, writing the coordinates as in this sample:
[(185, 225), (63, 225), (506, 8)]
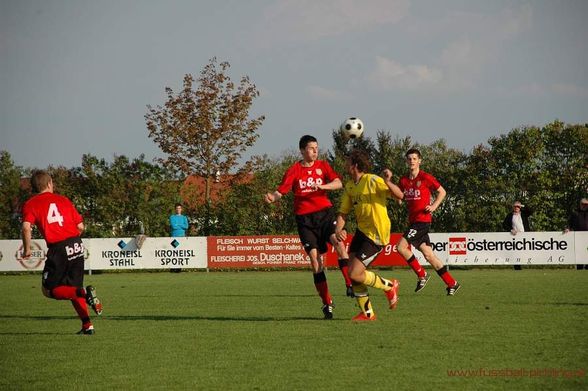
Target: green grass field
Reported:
[(264, 331)]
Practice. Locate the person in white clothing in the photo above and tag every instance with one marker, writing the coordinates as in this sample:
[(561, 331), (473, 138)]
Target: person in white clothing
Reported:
[(517, 221)]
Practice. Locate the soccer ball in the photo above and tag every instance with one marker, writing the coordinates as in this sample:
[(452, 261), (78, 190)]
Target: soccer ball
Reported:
[(352, 127)]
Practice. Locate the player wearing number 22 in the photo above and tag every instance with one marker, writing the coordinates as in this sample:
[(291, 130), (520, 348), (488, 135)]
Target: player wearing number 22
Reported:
[(309, 179), (61, 225), (417, 187)]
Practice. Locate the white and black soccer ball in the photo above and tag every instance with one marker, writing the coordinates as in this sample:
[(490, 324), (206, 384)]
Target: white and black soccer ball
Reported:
[(352, 127)]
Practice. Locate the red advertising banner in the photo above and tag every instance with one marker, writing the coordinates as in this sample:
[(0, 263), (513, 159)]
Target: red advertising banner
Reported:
[(279, 251)]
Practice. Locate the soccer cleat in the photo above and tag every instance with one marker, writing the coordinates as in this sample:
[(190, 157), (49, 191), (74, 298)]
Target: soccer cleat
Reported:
[(392, 294), (88, 331), (93, 300), (350, 292), (421, 282), (453, 289), (328, 311), (361, 317)]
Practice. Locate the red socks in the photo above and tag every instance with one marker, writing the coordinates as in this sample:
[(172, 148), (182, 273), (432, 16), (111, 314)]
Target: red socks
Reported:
[(344, 267), (446, 277), (416, 266), (78, 300), (443, 273), (320, 283), (82, 310), (66, 292)]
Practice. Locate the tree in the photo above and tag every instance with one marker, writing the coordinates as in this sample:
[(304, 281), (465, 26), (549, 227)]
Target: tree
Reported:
[(543, 167), (204, 129), (243, 211), (11, 196), (562, 177), (124, 197)]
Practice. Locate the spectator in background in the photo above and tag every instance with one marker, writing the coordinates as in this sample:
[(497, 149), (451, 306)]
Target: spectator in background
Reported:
[(178, 224), (578, 221), (517, 221)]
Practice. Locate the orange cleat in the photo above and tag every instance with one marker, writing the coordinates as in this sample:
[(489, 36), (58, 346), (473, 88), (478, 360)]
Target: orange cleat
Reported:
[(392, 294), (361, 317)]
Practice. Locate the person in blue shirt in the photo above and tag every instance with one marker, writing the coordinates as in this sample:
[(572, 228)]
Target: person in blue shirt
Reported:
[(178, 223)]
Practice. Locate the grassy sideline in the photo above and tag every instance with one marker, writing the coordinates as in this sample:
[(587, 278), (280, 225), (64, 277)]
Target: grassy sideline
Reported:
[(264, 331)]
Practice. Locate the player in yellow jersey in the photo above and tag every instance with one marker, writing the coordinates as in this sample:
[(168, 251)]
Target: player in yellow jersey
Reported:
[(367, 195)]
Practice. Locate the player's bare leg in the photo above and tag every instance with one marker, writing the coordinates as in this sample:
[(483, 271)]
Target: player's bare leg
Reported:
[(316, 263), (431, 257)]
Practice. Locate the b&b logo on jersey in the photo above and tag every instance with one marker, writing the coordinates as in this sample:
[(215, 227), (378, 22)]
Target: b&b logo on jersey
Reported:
[(457, 246), (75, 251), (309, 183), (412, 194)]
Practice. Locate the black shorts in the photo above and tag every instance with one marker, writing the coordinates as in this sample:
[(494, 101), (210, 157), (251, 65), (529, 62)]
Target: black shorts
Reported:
[(364, 248), (315, 229), (417, 234), (64, 264)]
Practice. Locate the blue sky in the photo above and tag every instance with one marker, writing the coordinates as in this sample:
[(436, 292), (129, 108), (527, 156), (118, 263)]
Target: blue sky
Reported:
[(76, 75)]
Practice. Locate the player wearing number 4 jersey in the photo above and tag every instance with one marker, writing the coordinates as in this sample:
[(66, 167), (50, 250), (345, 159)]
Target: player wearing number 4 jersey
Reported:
[(417, 187), (60, 224), (309, 179)]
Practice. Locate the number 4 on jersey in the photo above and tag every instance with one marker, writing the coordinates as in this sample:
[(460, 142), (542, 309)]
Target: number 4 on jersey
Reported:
[(53, 215)]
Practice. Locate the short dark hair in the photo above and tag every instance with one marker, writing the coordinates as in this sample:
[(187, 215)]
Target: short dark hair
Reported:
[(180, 205), (304, 140), (413, 151), (40, 180), (359, 158)]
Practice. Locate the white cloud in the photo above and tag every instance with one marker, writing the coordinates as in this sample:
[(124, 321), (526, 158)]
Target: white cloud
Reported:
[(500, 25), (303, 20), (462, 62), (389, 74), (476, 42)]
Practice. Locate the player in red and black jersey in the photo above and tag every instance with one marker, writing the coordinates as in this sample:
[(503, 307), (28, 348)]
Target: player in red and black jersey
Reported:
[(309, 180), (418, 187), (61, 225)]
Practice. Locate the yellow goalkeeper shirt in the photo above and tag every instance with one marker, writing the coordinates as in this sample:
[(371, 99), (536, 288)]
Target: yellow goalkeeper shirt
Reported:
[(368, 200)]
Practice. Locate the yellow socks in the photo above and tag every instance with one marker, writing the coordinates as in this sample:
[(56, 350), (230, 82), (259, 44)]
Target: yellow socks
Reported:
[(363, 299), (373, 280)]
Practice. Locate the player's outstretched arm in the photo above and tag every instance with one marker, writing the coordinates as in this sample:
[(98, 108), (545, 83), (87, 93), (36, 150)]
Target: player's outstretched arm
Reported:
[(394, 189), (335, 184)]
